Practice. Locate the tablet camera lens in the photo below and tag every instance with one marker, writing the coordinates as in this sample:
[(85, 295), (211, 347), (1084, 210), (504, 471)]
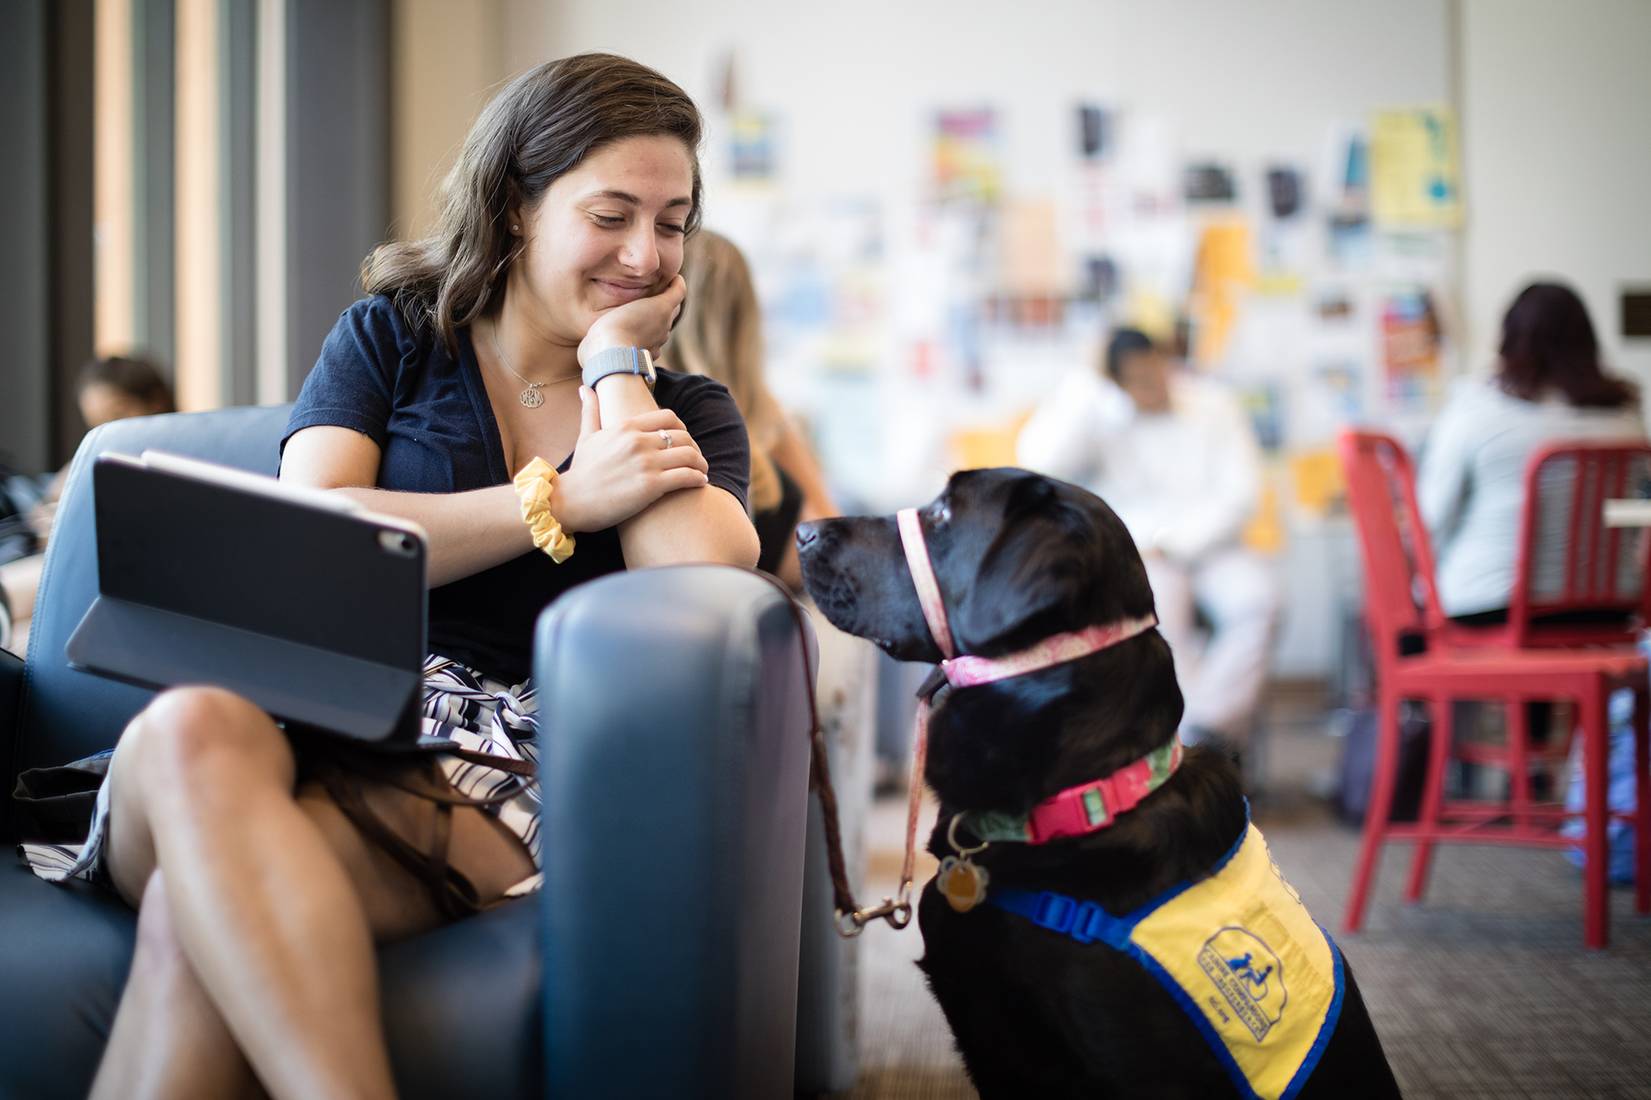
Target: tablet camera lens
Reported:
[(398, 542)]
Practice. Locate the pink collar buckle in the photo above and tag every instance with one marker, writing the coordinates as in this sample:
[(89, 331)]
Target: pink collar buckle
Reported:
[(1086, 808)]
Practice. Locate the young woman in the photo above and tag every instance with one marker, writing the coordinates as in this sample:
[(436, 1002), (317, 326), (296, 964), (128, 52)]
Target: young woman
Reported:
[(1549, 386), (265, 867), (720, 336)]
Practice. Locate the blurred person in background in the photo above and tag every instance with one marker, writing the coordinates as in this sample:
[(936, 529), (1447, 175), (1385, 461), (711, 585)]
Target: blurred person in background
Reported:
[(1176, 457), (112, 388), (1549, 385), (720, 336), (122, 386)]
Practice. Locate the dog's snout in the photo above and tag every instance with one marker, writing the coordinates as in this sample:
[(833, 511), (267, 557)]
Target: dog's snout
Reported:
[(806, 534)]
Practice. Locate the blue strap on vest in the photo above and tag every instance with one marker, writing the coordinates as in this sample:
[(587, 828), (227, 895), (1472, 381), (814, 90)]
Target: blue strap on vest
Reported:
[(1083, 921)]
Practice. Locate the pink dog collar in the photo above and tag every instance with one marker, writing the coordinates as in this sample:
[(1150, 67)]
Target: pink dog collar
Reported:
[(1083, 809), (922, 576), (966, 670)]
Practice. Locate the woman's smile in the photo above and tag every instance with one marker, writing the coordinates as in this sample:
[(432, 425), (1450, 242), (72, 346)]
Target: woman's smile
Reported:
[(620, 291)]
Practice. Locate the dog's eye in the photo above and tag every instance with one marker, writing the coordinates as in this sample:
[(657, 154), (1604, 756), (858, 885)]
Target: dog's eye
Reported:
[(940, 513)]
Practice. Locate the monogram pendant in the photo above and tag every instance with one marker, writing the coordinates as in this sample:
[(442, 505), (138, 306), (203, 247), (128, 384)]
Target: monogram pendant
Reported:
[(962, 883), (531, 398)]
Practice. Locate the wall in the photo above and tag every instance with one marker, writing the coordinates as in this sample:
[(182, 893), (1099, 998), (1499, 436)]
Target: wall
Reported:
[(446, 60), (856, 82), (1557, 158)]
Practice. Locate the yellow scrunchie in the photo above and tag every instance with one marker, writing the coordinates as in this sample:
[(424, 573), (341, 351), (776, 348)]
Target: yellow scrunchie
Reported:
[(533, 486)]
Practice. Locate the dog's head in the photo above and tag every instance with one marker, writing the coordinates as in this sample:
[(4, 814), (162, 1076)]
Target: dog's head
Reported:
[(1018, 557)]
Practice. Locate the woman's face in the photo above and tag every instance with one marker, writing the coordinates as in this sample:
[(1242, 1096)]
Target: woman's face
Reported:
[(606, 233)]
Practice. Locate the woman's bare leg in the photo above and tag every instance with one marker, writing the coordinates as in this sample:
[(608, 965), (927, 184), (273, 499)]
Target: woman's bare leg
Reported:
[(262, 909), (169, 1042), (280, 899)]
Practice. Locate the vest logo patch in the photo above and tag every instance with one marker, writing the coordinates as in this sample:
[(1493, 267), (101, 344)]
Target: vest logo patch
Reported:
[(1249, 977)]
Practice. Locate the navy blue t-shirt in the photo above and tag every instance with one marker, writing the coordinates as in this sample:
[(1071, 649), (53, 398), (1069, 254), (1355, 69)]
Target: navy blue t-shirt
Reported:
[(436, 433)]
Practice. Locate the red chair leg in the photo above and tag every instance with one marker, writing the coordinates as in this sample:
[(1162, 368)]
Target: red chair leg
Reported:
[(1519, 766), (1596, 913), (1433, 795), (1642, 801), (1376, 813)]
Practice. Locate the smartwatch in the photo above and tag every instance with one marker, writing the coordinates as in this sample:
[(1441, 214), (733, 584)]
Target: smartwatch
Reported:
[(635, 361)]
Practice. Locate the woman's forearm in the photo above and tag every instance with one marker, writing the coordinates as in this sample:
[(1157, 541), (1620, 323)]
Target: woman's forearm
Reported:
[(468, 532), (689, 525), (705, 524)]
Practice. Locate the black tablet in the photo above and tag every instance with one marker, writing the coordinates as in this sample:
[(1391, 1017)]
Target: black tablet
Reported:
[(296, 599)]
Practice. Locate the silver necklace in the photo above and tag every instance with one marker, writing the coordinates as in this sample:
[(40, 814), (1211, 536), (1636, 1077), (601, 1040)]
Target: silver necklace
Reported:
[(530, 398)]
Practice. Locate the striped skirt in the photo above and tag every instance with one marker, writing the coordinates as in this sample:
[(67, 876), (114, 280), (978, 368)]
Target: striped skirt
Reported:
[(463, 710)]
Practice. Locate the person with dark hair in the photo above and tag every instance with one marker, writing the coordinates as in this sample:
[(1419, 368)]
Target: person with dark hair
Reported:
[(1176, 457), (497, 388), (121, 386), (1549, 385), (112, 388)]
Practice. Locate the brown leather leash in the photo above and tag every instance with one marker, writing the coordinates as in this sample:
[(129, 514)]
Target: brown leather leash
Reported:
[(851, 917)]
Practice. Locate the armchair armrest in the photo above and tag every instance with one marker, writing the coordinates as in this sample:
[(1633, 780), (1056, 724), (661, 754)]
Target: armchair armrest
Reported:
[(674, 768), (11, 693)]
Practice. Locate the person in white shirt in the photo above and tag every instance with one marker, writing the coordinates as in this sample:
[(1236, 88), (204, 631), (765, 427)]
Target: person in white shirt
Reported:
[(1176, 457), (1548, 387)]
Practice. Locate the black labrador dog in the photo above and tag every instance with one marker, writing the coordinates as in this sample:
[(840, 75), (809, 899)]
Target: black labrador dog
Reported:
[(1019, 557)]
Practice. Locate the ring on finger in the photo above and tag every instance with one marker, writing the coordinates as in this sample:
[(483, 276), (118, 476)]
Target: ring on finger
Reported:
[(665, 440)]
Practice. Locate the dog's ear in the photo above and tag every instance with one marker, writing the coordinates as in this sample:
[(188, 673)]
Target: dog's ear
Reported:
[(1037, 576)]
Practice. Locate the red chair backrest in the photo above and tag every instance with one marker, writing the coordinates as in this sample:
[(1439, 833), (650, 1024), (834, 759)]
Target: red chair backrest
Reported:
[(1399, 593), (1569, 561)]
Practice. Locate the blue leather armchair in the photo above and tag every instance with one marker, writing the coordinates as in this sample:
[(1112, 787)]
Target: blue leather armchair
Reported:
[(662, 956)]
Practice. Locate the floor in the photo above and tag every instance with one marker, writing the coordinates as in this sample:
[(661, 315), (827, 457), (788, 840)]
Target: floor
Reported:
[(1483, 990)]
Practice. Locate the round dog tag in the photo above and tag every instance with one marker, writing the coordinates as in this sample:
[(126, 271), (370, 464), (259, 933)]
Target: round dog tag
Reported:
[(962, 883)]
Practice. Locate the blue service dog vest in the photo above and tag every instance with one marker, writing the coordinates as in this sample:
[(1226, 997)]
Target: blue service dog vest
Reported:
[(1239, 953)]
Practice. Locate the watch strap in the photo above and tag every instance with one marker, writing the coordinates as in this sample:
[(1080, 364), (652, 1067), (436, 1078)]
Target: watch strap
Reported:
[(635, 361)]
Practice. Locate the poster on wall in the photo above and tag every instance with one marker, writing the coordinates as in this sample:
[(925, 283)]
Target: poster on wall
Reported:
[(966, 155), (1415, 180), (1224, 269), (752, 147), (1410, 349), (1264, 402), (1094, 131)]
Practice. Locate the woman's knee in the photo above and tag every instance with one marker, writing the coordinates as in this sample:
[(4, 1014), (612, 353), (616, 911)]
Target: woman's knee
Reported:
[(188, 737)]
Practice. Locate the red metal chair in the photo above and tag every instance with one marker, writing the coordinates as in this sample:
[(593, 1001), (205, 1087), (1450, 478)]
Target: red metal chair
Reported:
[(1402, 603)]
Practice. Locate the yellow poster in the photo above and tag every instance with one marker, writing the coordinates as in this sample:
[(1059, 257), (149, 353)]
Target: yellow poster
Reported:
[(1415, 177), (965, 155), (1317, 478), (1225, 269)]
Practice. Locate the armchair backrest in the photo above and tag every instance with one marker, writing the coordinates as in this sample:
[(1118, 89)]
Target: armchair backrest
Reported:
[(64, 713)]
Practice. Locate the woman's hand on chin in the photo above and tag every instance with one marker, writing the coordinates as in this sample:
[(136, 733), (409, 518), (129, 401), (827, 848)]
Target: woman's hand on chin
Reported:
[(644, 323), (619, 471)]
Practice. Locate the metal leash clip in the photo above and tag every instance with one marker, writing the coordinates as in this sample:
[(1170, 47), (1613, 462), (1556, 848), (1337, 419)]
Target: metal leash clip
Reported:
[(896, 912)]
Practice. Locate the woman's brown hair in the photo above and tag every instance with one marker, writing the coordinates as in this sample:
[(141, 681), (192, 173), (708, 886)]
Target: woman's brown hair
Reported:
[(720, 336), (1548, 343), (542, 126)]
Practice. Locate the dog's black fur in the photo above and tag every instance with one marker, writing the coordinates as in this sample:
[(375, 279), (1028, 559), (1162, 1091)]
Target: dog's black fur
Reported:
[(1020, 557)]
